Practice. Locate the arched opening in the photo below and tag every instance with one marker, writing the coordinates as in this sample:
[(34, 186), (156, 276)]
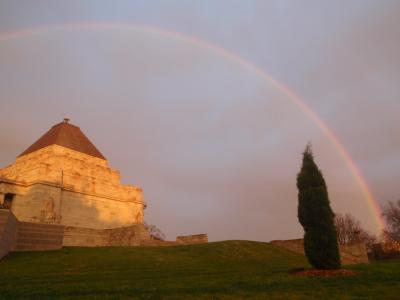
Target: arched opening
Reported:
[(8, 198)]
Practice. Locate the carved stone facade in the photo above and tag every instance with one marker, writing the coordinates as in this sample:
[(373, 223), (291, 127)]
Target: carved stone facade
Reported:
[(63, 179)]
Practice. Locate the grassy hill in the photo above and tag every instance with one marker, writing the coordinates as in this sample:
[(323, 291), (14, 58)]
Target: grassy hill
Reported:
[(222, 270)]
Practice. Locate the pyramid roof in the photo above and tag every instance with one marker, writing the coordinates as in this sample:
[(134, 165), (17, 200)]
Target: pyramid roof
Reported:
[(66, 135)]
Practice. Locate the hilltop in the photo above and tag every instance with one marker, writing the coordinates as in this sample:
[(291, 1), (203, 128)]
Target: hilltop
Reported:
[(220, 270)]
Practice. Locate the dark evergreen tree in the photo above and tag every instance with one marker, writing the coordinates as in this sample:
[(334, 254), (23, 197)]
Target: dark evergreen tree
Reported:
[(316, 216)]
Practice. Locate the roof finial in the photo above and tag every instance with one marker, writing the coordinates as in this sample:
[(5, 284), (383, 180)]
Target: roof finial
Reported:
[(66, 120)]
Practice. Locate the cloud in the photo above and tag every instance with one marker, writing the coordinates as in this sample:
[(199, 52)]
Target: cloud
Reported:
[(215, 147)]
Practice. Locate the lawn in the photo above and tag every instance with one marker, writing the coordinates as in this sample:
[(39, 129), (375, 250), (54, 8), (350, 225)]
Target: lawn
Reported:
[(222, 270)]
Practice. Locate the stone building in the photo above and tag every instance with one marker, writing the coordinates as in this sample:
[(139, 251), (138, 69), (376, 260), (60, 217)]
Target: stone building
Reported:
[(64, 179)]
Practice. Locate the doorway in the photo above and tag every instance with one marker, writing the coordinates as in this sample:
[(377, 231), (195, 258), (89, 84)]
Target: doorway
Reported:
[(8, 198)]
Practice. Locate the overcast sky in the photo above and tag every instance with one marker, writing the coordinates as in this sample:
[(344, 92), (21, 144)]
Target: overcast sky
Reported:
[(215, 147)]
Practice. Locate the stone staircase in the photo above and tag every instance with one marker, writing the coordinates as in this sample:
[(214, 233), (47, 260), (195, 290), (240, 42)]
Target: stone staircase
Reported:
[(35, 237)]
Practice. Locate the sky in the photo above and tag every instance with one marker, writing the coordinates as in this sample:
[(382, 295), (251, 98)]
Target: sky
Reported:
[(215, 146)]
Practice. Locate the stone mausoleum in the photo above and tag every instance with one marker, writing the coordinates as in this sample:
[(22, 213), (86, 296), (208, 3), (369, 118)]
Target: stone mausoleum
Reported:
[(61, 192), (64, 179)]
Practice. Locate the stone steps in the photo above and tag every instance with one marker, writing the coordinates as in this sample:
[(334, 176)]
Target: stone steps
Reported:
[(39, 235), (27, 225), (4, 213), (42, 231), (38, 241), (33, 245), (36, 247), (35, 237)]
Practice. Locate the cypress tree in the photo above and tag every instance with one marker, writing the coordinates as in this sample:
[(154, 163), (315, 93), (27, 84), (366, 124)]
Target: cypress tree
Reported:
[(316, 216)]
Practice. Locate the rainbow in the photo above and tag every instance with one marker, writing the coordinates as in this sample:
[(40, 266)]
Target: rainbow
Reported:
[(372, 202)]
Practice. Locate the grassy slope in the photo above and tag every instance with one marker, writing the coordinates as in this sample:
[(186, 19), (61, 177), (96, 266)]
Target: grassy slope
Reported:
[(223, 270)]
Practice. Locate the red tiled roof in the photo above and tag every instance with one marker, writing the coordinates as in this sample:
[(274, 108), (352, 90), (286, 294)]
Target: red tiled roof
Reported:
[(66, 135)]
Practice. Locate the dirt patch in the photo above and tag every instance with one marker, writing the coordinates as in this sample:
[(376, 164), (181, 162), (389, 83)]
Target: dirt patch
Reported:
[(324, 273)]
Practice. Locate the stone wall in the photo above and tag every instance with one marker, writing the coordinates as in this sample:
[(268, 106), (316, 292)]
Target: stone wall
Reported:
[(349, 254), (26, 236), (37, 203), (192, 239), (128, 236), (8, 232), (85, 237), (133, 235), (90, 211)]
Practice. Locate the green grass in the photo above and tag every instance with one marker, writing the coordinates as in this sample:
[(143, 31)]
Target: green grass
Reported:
[(223, 270)]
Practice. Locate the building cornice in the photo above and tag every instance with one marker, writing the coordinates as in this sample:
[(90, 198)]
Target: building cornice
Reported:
[(63, 188)]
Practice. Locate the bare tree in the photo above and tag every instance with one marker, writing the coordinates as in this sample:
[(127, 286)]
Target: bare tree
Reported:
[(369, 239), (349, 231), (391, 213), (155, 232)]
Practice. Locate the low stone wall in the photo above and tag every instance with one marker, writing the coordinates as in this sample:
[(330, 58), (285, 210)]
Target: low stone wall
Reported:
[(8, 232), (192, 239), (124, 236), (84, 237), (349, 254), (27, 236), (180, 240), (127, 236)]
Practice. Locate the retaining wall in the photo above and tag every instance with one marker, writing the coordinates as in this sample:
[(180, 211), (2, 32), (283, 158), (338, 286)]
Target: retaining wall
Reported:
[(124, 236), (85, 237), (8, 232), (38, 237), (27, 236)]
